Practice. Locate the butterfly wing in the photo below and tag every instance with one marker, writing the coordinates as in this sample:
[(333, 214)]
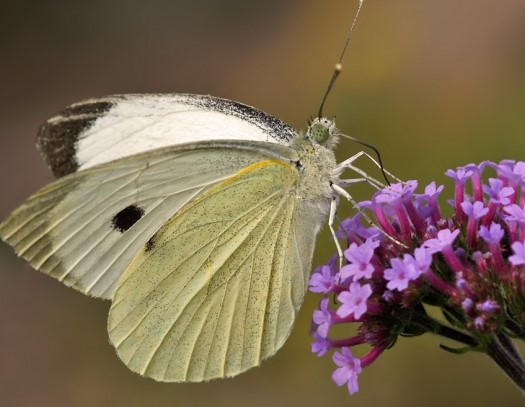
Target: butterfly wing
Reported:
[(128, 163), (101, 130), (218, 290), (86, 227)]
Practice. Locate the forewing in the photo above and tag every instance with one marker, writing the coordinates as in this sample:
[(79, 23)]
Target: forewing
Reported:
[(85, 228), (219, 289), (101, 130)]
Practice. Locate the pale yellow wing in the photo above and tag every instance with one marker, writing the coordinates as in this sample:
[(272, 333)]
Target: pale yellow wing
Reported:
[(85, 228), (218, 290)]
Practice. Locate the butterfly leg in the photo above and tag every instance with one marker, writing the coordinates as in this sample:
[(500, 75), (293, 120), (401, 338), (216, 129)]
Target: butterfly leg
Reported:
[(341, 191), (331, 218), (348, 164), (333, 211)]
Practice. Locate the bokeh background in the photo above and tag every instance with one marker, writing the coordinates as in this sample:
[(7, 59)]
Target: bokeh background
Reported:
[(432, 84)]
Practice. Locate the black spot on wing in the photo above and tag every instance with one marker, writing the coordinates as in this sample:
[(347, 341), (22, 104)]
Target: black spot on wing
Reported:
[(57, 138), (126, 218), (150, 244), (271, 125)]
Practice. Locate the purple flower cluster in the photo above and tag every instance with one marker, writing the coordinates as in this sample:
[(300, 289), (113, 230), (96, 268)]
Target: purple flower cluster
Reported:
[(471, 265)]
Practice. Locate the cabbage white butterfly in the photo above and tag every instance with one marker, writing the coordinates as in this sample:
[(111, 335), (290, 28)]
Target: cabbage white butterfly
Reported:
[(196, 216)]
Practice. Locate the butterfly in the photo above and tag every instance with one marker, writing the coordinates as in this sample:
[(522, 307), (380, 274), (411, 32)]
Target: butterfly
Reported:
[(195, 216)]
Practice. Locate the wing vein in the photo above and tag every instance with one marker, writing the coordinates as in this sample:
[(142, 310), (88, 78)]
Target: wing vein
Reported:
[(250, 255), (271, 287)]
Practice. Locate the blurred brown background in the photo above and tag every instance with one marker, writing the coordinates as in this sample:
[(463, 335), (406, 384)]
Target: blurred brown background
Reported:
[(433, 84)]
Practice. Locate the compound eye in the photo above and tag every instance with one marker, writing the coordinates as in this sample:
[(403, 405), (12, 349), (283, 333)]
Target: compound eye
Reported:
[(319, 131)]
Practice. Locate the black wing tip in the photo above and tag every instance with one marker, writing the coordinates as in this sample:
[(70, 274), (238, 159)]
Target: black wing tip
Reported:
[(56, 139)]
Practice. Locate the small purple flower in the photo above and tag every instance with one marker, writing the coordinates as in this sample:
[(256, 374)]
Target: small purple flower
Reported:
[(479, 323), (507, 163), (432, 192), (388, 296), (493, 234), (444, 239), (518, 258), (497, 192), (398, 199), (323, 318), (474, 210), (515, 214), (401, 273), (348, 370), (422, 260), (515, 218), (357, 270), (349, 226), (519, 168), (371, 233), (467, 304), (488, 306), (359, 257), (395, 191), (352, 229), (514, 172), (322, 280), (462, 284), (320, 345), (461, 175), (353, 301), (398, 275)]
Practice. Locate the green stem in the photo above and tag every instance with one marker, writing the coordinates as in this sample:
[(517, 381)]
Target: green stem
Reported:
[(513, 327), (439, 329), (509, 347), (455, 335), (514, 370), (500, 349)]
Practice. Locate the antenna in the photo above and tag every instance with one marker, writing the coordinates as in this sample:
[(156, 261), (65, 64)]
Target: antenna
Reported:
[(339, 65)]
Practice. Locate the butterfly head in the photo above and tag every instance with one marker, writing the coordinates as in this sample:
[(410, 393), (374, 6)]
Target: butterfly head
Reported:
[(323, 131)]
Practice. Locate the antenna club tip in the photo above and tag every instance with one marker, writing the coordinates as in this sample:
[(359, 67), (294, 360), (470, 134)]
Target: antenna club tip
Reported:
[(338, 67)]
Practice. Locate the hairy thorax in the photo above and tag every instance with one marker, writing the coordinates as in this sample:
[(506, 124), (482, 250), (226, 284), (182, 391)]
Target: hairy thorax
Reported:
[(316, 164)]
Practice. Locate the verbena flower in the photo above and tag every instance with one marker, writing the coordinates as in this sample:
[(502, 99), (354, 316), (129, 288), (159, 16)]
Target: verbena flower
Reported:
[(470, 265)]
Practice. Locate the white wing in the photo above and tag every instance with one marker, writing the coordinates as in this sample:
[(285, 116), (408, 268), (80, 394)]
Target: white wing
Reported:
[(86, 227), (101, 130), (220, 287)]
